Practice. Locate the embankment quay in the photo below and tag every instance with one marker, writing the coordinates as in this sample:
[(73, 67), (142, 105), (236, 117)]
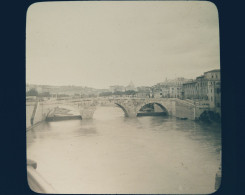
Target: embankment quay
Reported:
[(39, 111)]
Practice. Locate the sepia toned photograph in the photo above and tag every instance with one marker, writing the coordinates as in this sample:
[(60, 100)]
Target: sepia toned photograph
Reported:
[(123, 97)]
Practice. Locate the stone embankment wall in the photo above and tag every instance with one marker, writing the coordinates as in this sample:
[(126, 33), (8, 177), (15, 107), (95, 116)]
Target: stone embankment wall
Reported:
[(42, 109), (29, 110), (184, 109)]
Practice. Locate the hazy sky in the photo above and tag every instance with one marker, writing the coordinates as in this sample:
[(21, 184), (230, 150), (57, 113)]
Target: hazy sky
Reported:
[(98, 44)]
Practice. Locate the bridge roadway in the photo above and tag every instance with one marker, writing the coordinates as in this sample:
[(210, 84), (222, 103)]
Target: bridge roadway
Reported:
[(130, 106)]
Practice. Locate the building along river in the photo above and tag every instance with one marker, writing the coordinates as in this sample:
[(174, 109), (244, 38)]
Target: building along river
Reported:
[(114, 154)]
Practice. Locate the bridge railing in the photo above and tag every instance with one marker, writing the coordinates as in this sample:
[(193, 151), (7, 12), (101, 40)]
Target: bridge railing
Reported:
[(184, 102)]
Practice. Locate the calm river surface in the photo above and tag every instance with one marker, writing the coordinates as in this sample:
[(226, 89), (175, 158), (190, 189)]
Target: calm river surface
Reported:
[(114, 154)]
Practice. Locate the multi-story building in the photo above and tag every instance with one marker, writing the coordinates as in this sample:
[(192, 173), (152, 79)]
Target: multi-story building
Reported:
[(166, 92), (204, 88), (170, 88), (201, 88), (217, 95), (157, 93), (212, 74), (189, 90), (175, 91), (214, 94), (144, 92), (213, 88)]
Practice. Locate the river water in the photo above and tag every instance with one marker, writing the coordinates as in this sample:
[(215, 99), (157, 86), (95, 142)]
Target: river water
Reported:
[(113, 154)]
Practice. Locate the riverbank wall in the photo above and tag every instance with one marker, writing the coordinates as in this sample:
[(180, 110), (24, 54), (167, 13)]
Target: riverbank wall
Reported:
[(185, 110), (29, 112), (37, 112)]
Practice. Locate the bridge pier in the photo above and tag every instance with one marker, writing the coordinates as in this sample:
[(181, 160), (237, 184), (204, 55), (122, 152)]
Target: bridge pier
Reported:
[(131, 113), (87, 113), (87, 109), (130, 107)]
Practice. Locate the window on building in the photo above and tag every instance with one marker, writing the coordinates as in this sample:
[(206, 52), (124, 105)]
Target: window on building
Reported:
[(211, 98)]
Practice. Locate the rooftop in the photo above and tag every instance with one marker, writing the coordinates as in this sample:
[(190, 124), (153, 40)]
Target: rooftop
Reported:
[(190, 82), (200, 77), (215, 70)]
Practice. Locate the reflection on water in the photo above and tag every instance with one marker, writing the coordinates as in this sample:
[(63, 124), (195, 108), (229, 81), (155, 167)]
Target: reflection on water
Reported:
[(114, 154)]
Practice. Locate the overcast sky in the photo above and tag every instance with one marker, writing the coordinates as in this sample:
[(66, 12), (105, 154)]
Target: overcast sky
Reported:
[(98, 44)]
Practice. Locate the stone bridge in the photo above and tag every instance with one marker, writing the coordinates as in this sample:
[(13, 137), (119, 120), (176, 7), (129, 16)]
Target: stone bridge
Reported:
[(130, 106)]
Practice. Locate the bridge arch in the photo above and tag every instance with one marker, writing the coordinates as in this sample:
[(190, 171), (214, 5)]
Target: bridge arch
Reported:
[(62, 109), (49, 114), (164, 109), (124, 110)]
